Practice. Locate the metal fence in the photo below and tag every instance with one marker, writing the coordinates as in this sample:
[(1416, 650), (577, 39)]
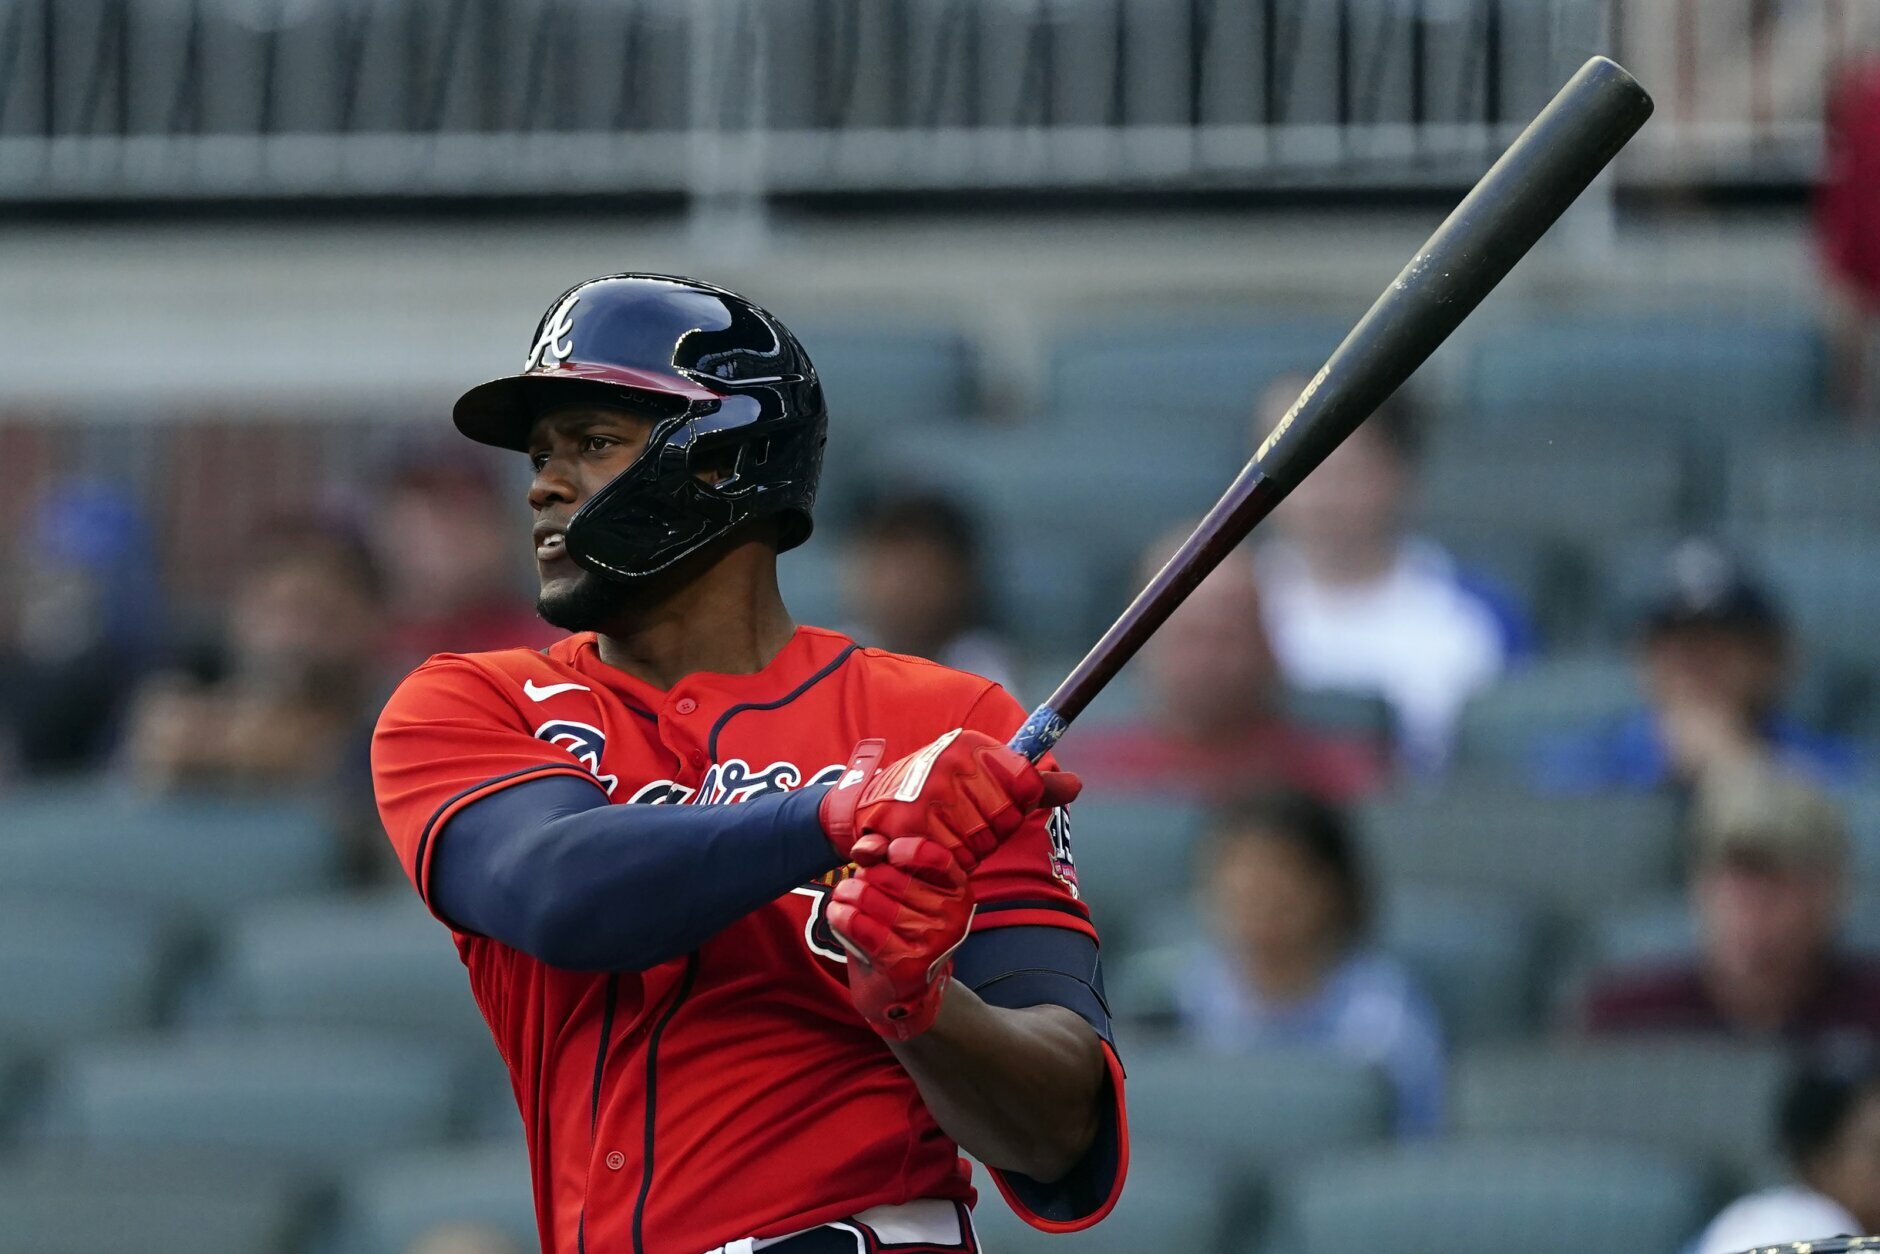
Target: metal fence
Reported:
[(752, 98)]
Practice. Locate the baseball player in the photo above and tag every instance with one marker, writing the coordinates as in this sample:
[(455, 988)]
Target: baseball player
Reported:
[(768, 926)]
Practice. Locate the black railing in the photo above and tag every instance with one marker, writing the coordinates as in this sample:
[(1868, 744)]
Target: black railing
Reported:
[(229, 97)]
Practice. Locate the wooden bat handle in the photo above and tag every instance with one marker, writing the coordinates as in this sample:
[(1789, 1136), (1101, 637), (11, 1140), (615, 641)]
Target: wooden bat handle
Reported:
[(1523, 194)]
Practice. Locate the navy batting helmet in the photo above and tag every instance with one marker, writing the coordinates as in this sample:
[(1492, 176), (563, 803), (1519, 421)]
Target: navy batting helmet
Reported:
[(728, 388)]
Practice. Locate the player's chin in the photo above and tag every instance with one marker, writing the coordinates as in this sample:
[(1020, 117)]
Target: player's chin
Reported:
[(578, 600)]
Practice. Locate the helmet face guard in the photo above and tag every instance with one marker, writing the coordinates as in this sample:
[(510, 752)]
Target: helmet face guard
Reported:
[(733, 394)]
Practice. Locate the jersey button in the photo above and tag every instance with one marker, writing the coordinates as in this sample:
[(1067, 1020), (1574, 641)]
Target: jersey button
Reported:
[(698, 759), (616, 1160), (685, 705)]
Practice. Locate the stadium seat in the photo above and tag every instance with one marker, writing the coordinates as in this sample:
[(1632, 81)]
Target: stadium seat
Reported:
[(1569, 853), (307, 1098), (376, 961), (386, 1203), (1134, 858), (1825, 580), (1665, 930), (1695, 372), (1175, 1200), (1360, 716), (1490, 1197), (1824, 482), (150, 1204), (1255, 1111), (1196, 372), (195, 854), (1475, 955), (1709, 1099), (74, 968), (1499, 726), (1552, 492), (893, 375)]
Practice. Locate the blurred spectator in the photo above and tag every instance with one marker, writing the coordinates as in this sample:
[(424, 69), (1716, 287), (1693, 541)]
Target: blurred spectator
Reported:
[(1847, 220), (83, 620), (1829, 1127), (914, 582), (292, 698), (1714, 660), (1215, 725), (1287, 964), (1354, 601), (1769, 888), (465, 1238), (450, 548)]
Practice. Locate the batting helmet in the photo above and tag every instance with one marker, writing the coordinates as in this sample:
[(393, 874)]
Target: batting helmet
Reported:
[(727, 385)]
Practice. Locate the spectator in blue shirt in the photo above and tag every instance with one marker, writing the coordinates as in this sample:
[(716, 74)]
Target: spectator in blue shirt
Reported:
[(1287, 962), (1714, 661)]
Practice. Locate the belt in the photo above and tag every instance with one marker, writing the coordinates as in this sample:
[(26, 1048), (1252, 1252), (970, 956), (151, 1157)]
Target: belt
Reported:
[(911, 1228)]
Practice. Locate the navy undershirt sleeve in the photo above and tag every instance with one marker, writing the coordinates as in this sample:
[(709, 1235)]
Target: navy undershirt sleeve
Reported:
[(549, 867), (1016, 967)]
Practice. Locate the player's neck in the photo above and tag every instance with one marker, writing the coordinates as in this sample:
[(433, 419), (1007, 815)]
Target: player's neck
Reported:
[(727, 618)]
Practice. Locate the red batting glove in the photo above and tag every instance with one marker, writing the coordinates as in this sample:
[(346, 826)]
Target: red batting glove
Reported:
[(901, 919), (965, 790)]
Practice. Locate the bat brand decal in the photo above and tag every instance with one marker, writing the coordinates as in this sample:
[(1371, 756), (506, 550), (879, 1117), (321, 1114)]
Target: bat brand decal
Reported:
[(1058, 826)]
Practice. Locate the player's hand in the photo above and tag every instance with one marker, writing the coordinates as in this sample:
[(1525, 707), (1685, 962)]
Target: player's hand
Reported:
[(901, 919), (965, 790)]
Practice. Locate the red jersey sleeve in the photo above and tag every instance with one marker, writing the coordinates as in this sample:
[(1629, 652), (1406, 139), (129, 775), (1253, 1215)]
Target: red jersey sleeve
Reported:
[(447, 737), (1030, 879)]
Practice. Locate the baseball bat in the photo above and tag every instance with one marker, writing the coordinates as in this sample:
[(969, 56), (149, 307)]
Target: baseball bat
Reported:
[(1525, 192)]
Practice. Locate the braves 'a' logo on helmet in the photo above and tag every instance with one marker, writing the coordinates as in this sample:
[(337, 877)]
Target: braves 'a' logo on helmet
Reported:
[(552, 341), (584, 742)]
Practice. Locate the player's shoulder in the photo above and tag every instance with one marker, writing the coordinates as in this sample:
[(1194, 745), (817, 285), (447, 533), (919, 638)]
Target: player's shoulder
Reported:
[(903, 675)]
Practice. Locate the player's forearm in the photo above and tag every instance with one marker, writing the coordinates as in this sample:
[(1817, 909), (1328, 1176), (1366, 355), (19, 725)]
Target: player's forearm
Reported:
[(550, 868), (1018, 1089)]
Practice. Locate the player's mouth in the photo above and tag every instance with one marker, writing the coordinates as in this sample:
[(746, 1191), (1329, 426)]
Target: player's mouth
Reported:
[(551, 542)]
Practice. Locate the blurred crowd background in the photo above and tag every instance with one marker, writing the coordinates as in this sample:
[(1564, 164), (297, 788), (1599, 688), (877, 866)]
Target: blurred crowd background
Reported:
[(1488, 856)]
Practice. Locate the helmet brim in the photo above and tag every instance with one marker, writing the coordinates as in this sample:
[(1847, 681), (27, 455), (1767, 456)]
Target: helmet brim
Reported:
[(502, 411)]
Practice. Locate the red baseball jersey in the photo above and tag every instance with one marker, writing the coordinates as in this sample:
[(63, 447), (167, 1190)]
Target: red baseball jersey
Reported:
[(732, 1092)]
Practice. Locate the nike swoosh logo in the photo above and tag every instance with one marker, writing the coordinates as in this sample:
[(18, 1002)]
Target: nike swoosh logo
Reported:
[(542, 692)]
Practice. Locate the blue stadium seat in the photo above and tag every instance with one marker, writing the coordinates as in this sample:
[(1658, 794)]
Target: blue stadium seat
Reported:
[(74, 968), (1134, 856), (1489, 1197), (1825, 579), (1694, 371), (1551, 492), (377, 961), (1174, 1200), (1568, 853), (388, 1202), (1499, 727), (1105, 377), (1255, 1111), (151, 1204), (200, 855), (1475, 955), (307, 1098), (1825, 482), (1712, 1100), (893, 375)]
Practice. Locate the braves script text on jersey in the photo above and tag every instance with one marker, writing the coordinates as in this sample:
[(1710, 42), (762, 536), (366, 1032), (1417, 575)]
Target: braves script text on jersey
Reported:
[(733, 1091)]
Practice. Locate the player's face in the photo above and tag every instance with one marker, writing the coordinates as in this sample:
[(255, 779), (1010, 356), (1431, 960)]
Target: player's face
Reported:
[(576, 451)]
